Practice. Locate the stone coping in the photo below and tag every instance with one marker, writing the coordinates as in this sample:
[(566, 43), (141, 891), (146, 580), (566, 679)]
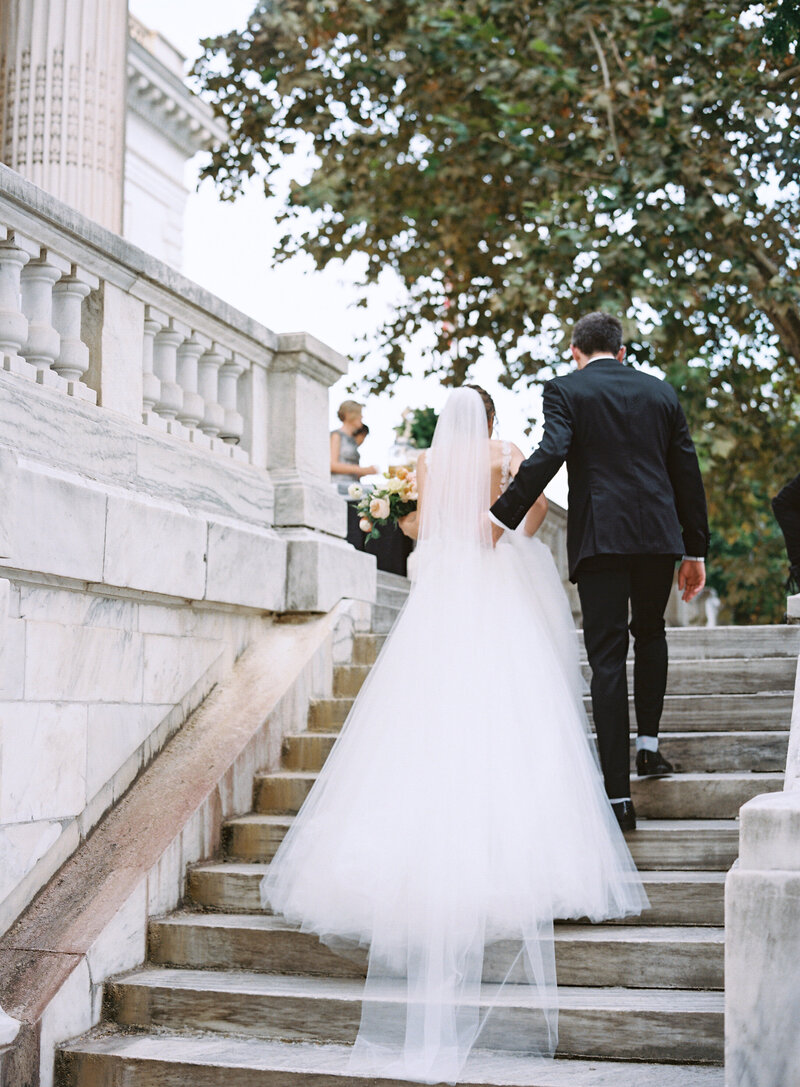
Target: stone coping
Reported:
[(58, 931)]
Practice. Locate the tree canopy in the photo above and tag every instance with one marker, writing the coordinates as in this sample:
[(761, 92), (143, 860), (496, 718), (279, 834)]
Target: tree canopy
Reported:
[(519, 163)]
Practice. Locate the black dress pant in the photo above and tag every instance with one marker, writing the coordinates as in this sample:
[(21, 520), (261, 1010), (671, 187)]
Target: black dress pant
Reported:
[(607, 585)]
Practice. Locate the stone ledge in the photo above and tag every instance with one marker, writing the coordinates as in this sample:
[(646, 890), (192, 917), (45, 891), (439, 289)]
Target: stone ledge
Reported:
[(91, 920), (769, 838)]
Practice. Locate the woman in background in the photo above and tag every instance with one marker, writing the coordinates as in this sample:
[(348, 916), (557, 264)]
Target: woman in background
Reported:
[(346, 468)]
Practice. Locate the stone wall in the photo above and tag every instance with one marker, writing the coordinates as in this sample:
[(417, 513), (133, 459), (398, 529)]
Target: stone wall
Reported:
[(164, 468)]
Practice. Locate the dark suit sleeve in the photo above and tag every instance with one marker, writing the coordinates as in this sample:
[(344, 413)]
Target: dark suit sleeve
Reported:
[(687, 484), (536, 472), (786, 507)]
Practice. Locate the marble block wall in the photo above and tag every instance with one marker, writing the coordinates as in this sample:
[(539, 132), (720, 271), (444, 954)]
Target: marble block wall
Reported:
[(92, 685)]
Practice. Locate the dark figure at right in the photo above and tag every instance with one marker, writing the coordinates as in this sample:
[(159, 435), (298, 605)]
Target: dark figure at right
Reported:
[(786, 507)]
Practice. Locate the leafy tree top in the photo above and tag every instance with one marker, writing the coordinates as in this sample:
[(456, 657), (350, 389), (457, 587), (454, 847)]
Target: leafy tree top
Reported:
[(519, 163)]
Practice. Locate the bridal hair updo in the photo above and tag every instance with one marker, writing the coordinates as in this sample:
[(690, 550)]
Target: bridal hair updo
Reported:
[(488, 403)]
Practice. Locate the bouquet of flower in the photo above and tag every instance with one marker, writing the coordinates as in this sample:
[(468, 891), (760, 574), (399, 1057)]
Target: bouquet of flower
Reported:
[(386, 502)]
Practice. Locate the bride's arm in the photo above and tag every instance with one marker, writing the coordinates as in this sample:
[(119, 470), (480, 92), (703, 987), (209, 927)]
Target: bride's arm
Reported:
[(409, 525), (538, 511)]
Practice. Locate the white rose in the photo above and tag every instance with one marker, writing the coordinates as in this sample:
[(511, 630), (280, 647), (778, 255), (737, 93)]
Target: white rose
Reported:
[(394, 485), (379, 508), (355, 490), (365, 524)]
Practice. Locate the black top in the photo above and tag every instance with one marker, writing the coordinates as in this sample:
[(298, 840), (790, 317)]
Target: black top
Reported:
[(634, 482)]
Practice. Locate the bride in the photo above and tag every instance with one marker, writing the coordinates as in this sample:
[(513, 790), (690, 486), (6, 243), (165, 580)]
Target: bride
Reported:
[(461, 810)]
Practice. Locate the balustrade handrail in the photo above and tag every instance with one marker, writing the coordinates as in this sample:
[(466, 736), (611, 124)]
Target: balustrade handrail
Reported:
[(184, 362)]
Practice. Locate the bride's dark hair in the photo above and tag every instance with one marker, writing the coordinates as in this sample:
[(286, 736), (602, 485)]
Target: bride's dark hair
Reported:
[(488, 403)]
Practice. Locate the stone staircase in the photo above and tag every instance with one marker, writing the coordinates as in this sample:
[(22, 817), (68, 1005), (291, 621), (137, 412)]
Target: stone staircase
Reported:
[(232, 997)]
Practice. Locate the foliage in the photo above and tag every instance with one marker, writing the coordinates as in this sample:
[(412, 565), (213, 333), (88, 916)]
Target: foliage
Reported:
[(418, 426), (517, 163), (782, 25)]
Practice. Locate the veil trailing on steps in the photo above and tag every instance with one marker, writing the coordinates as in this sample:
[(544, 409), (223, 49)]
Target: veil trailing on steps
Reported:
[(460, 810)]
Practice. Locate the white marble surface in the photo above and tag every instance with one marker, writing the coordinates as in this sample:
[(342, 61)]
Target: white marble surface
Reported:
[(61, 524), (39, 777), (123, 942), (793, 755), (21, 846), (115, 335), (8, 474), (83, 663), (73, 1010), (246, 567), (323, 570), (114, 732), (150, 546)]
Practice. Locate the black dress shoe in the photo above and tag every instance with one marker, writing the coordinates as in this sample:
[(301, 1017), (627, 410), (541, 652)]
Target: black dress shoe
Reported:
[(652, 764), (626, 816)]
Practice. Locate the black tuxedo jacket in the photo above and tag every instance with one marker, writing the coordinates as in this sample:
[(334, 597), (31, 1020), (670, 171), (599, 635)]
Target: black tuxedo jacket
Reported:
[(634, 482)]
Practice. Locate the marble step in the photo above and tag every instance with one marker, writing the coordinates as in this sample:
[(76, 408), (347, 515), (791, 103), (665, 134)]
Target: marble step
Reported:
[(679, 796), (696, 751), (384, 617), (706, 678), (388, 596), (685, 643), (700, 796), (775, 640), (638, 1024), (676, 898), (650, 957), (682, 713), (110, 1058), (709, 845), (724, 676), (366, 648)]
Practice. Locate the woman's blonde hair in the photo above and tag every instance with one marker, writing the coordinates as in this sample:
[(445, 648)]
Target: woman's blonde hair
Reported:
[(349, 407)]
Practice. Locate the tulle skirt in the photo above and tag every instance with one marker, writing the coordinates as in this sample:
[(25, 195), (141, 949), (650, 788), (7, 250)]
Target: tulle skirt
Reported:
[(459, 813)]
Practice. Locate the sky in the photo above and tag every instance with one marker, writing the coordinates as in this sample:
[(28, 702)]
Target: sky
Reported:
[(228, 249)]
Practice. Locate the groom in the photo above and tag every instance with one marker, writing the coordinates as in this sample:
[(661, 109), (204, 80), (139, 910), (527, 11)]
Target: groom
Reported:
[(636, 505)]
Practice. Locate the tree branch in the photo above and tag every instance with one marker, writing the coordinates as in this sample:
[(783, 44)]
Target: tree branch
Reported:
[(607, 83)]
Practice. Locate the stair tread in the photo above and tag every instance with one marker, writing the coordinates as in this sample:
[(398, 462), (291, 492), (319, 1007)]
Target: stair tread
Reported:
[(599, 933), (313, 987), (250, 1054), (259, 868)]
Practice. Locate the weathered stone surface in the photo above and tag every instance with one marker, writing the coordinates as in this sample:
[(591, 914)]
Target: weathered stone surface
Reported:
[(245, 566)]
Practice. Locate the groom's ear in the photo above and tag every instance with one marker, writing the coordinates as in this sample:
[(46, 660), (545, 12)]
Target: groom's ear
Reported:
[(621, 354)]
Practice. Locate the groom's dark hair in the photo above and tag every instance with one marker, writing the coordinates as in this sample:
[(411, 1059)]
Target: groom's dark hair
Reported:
[(597, 332)]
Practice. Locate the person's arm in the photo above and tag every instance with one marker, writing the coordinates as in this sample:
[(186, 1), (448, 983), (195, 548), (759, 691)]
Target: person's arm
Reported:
[(535, 516), (535, 473), (340, 468), (687, 486), (410, 524), (690, 502)]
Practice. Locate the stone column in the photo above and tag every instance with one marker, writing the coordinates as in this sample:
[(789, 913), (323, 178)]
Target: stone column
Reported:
[(321, 567), (62, 100), (762, 946)]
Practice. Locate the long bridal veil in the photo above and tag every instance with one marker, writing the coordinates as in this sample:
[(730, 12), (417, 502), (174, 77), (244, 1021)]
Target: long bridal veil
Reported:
[(460, 809)]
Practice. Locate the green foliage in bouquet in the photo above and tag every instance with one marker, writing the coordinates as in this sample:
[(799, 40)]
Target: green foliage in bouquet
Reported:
[(418, 426)]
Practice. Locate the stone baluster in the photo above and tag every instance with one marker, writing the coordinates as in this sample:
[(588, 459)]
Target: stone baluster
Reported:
[(192, 410), (43, 343), (13, 322), (154, 320), (165, 364), (73, 358), (208, 384), (229, 374)]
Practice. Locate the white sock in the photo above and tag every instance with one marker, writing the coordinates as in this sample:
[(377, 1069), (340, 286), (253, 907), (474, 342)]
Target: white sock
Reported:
[(620, 800), (647, 743)]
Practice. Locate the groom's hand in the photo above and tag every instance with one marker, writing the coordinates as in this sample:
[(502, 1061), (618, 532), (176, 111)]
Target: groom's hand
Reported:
[(691, 579)]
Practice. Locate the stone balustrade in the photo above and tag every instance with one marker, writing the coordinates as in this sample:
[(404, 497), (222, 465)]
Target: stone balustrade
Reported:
[(762, 933)]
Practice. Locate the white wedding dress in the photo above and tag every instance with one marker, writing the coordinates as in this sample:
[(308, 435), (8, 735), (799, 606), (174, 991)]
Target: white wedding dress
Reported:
[(461, 810)]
